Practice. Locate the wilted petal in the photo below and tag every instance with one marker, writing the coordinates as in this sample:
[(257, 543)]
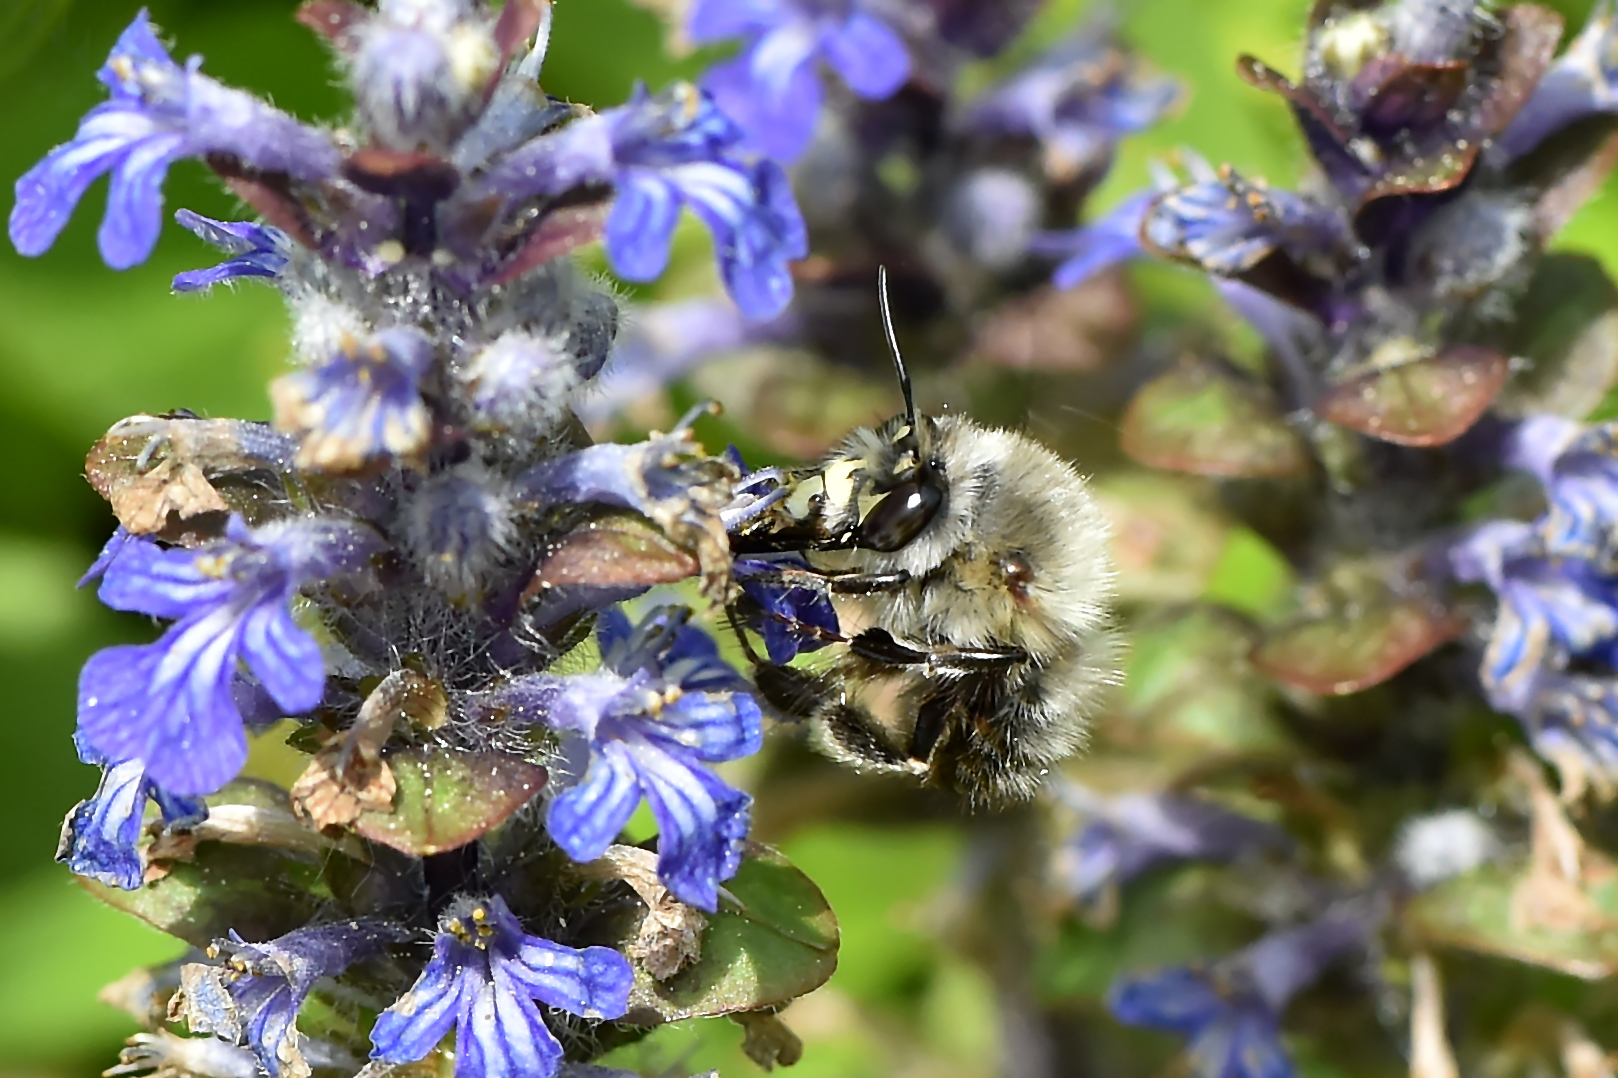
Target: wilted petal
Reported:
[(99, 836), (255, 250)]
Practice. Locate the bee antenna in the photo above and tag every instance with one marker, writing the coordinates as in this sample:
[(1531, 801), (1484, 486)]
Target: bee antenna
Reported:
[(893, 344)]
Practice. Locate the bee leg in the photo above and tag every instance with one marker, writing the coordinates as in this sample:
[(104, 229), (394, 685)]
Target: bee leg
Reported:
[(848, 733), (834, 582), (878, 645), (851, 583)]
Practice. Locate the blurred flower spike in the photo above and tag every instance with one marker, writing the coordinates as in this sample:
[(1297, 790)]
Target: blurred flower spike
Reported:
[(1397, 103), (1551, 658)]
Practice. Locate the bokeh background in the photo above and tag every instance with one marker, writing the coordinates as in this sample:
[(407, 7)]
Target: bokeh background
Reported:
[(82, 346)]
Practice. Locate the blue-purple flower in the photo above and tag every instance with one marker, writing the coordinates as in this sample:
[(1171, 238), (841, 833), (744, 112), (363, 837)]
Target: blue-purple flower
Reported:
[(100, 836), (661, 153), (158, 112), (484, 978), (1578, 467), (1227, 224), (664, 707), (677, 150), (170, 706), (1550, 610), (1078, 99), (1109, 240), (255, 251), (1231, 1011), (772, 89), (255, 996), (1124, 837), (1583, 81), (360, 404), (792, 619)]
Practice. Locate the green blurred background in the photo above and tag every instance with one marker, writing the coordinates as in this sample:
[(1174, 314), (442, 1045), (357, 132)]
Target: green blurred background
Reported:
[(82, 346)]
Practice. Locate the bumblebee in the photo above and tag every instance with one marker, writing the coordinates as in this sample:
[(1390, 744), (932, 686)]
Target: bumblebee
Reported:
[(970, 571)]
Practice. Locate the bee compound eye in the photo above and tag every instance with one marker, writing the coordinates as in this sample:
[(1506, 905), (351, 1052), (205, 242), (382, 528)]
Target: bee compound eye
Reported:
[(899, 517)]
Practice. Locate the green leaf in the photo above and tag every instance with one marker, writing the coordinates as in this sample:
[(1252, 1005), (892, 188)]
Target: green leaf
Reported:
[(257, 892), (1354, 646), (1426, 402), (1205, 418), (446, 798), (1474, 913), (778, 944), (1568, 331), (1189, 685), (1168, 535)]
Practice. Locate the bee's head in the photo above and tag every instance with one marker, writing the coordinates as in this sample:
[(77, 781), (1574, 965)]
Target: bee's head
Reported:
[(905, 482)]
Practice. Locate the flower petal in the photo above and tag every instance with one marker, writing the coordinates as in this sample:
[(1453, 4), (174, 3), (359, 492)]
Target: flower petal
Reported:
[(147, 579), (134, 214), (99, 837), (640, 227), (702, 823), (585, 820), (168, 704), (779, 124), (594, 982), (869, 56), (414, 1025), (1179, 1000), (286, 659), (500, 1033)]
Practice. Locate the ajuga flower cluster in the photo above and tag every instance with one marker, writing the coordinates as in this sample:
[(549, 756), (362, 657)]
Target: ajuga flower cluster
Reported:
[(1265, 825)]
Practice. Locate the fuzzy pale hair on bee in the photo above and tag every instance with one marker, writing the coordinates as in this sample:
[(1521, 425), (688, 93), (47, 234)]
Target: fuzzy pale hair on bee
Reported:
[(970, 571)]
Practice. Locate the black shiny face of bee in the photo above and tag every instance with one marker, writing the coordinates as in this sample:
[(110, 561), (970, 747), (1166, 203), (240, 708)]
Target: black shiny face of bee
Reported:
[(915, 488)]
